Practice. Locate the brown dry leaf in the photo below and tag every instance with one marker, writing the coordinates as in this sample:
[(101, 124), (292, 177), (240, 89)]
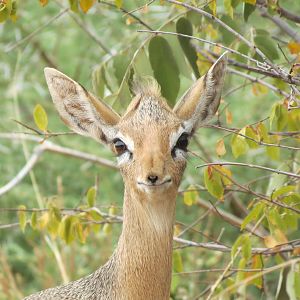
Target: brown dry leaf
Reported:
[(228, 116), (220, 148), (86, 5), (44, 2), (270, 242), (294, 47)]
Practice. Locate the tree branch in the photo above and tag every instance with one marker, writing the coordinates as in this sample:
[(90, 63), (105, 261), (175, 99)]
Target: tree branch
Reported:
[(249, 166)]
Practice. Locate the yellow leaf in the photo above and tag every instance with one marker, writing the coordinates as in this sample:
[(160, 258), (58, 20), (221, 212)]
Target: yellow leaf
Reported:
[(253, 2), (177, 262), (40, 117), (259, 89), (294, 47), (86, 5), (43, 220), (228, 8), (107, 228), (190, 196), (220, 148), (213, 6), (118, 3), (44, 2)]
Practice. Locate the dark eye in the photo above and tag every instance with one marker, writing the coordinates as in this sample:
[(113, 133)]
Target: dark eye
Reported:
[(182, 142), (120, 146)]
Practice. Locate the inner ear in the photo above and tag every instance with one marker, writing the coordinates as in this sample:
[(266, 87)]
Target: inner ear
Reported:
[(79, 109), (199, 104)]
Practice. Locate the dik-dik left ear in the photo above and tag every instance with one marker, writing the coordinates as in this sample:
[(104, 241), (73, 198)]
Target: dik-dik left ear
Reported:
[(79, 109), (199, 104)]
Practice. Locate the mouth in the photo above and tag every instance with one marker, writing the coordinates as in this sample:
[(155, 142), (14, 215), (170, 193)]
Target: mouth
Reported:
[(154, 185)]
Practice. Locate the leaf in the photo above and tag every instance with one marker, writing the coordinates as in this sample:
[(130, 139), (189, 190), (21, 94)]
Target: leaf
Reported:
[(91, 196), (278, 117), (248, 10), (267, 46), (262, 132), (228, 115), (120, 64), (290, 285), (250, 132), (225, 174), (95, 214), (190, 196), (259, 89), (184, 26), (272, 151), (270, 242), (40, 117), (177, 262), (86, 5), (43, 220), (5, 10), (252, 2), (213, 182), (213, 7), (22, 217), (118, 3), (165, 68), (228, 8), (33, 221), (253, 215), (294, 47), (44, 2), (220, 148), (73, 5), (99, 81), (66, 228), (257, 264), (107, 228), (239, 145)]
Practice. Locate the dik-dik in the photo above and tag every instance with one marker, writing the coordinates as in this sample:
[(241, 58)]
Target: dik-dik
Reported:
[(150, 141)]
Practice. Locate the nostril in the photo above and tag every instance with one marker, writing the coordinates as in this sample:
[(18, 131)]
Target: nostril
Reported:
[(152, 178)]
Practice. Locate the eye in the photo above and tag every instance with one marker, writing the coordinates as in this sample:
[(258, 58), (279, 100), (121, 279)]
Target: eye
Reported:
[(182, 142), (120, 146)]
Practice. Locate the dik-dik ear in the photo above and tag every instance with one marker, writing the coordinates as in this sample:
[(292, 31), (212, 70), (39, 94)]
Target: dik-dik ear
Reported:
[(198, 105), (79, 109)]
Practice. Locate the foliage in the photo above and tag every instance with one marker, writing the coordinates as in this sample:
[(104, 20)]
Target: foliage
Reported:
[(66, 205)]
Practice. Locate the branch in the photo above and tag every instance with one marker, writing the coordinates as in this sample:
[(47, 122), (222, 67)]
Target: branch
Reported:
[(35, 32), (250, 166), (235, 131), (281, 24), (282, 248), (127, 13), (287, 14), (51, 147)]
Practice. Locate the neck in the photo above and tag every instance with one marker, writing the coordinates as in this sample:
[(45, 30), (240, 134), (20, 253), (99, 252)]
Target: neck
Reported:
[(144, 250)]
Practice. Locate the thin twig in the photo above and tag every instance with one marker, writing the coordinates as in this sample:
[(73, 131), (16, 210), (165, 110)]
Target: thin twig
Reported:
[(36, 32), (226, 163)]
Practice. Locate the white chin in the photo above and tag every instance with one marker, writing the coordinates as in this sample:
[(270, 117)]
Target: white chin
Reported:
[(151, 189)]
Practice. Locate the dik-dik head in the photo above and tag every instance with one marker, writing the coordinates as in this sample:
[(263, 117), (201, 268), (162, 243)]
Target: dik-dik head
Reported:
[(150, 139)]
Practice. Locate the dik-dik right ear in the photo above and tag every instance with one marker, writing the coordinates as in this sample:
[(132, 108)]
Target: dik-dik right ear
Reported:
[(79, 109), (199, 104)]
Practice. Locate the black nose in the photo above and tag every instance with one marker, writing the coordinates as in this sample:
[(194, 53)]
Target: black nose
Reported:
[(152, 178)]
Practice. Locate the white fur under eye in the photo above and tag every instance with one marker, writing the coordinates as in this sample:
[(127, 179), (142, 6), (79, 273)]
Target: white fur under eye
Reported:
[(124, 158)]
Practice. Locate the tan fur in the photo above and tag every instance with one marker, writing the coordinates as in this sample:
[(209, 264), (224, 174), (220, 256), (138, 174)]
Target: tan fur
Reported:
[(140, 267)]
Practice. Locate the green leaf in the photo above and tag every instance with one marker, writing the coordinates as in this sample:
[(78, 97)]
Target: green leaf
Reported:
[(228, 37), (184, 26), (213, 182), (190, 196), (253, 215), (228, 8), (246, 247), (74, 5), (107, 228), (95, 214), (278, 117), (120, 64), (99, 81), (22, 217), (239, 145), (165, 68), (66, 228), (267, 46), (290, 285), (40, 117), (91, 196), (177, 262), (248, 10), (283, 190)]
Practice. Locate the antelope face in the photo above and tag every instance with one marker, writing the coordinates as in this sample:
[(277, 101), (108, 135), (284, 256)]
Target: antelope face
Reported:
[(151, 139), (151, 145)]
